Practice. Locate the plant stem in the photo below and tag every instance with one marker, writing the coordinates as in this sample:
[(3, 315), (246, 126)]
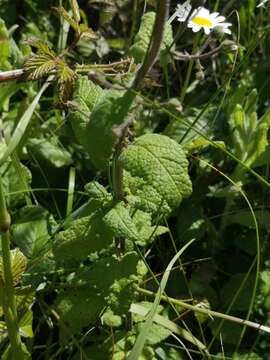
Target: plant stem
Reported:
[(206, 311), (9, 301), (189, 70)]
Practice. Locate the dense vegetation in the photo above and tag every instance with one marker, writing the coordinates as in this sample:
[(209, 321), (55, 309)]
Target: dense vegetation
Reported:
[(134, 191)]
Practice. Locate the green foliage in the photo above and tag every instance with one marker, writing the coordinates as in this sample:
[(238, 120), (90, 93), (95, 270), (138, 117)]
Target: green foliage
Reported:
[(4, 47), (97, 180), (107, 283), (109, 112), (156, 177), (31, 231), (85, 96), (249, 134), (15, 183), (143, 36)]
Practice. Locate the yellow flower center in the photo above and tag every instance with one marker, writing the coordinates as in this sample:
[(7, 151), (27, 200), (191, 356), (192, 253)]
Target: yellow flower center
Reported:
[(202, 21)]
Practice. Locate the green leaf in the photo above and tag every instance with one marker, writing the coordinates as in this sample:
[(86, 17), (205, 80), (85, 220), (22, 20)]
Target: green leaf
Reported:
[(51, 151), (163, 327), (84, 237), (245, 218), (18, 265), (143, 36), (72, 22), (4, 47), (78, 308), (38, 66), (22, 125), (109, 112), (14, 183), (143, 335), (25, 325), (147, 232), (113, 278), (86, 94), (31, 231), (65, 80), (156, 173), (120, 222)]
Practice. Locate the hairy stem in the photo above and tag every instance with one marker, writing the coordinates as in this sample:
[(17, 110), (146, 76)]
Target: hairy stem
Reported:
[(8, 294)]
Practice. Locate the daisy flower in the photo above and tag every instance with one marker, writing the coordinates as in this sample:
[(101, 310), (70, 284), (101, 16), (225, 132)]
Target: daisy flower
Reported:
[(202, 19)]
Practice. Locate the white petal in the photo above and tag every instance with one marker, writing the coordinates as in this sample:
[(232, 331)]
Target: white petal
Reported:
[(206, 30), (203, 12), (220, 18), (215, 14)]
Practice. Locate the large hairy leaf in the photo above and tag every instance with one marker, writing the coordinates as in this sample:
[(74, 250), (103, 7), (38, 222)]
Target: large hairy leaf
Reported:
[(156, 173)]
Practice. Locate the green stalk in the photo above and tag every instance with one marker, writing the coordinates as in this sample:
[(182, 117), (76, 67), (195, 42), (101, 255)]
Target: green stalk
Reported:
[(201, 310), (9, 301), (189, 71)]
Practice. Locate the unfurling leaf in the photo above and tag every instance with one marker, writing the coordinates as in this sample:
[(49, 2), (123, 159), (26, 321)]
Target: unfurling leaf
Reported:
[(42, 47), (38, 66), (155, 173), (65, 80), (75, 10), (72, 22)]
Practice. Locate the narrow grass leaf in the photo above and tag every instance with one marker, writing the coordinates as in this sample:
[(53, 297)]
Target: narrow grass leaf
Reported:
[(139, 344)]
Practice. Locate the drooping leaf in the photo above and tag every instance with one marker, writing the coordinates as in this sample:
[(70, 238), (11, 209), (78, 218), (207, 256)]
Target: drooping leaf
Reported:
[(85, 96), (65, 80), (142, 38), (51, 151), (14, 183), (156, 173), (31, 231), (110, 111)]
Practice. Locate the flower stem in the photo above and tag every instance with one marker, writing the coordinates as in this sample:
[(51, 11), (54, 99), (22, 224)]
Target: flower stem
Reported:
[(208, 312), (8, 295), (189, 71)]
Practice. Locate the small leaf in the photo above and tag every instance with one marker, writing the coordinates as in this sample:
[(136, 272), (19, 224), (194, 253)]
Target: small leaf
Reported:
[(39, 66), (86, 32), (65, 80), (120, 222), (72, 22), (75, 10), (42, 47)]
